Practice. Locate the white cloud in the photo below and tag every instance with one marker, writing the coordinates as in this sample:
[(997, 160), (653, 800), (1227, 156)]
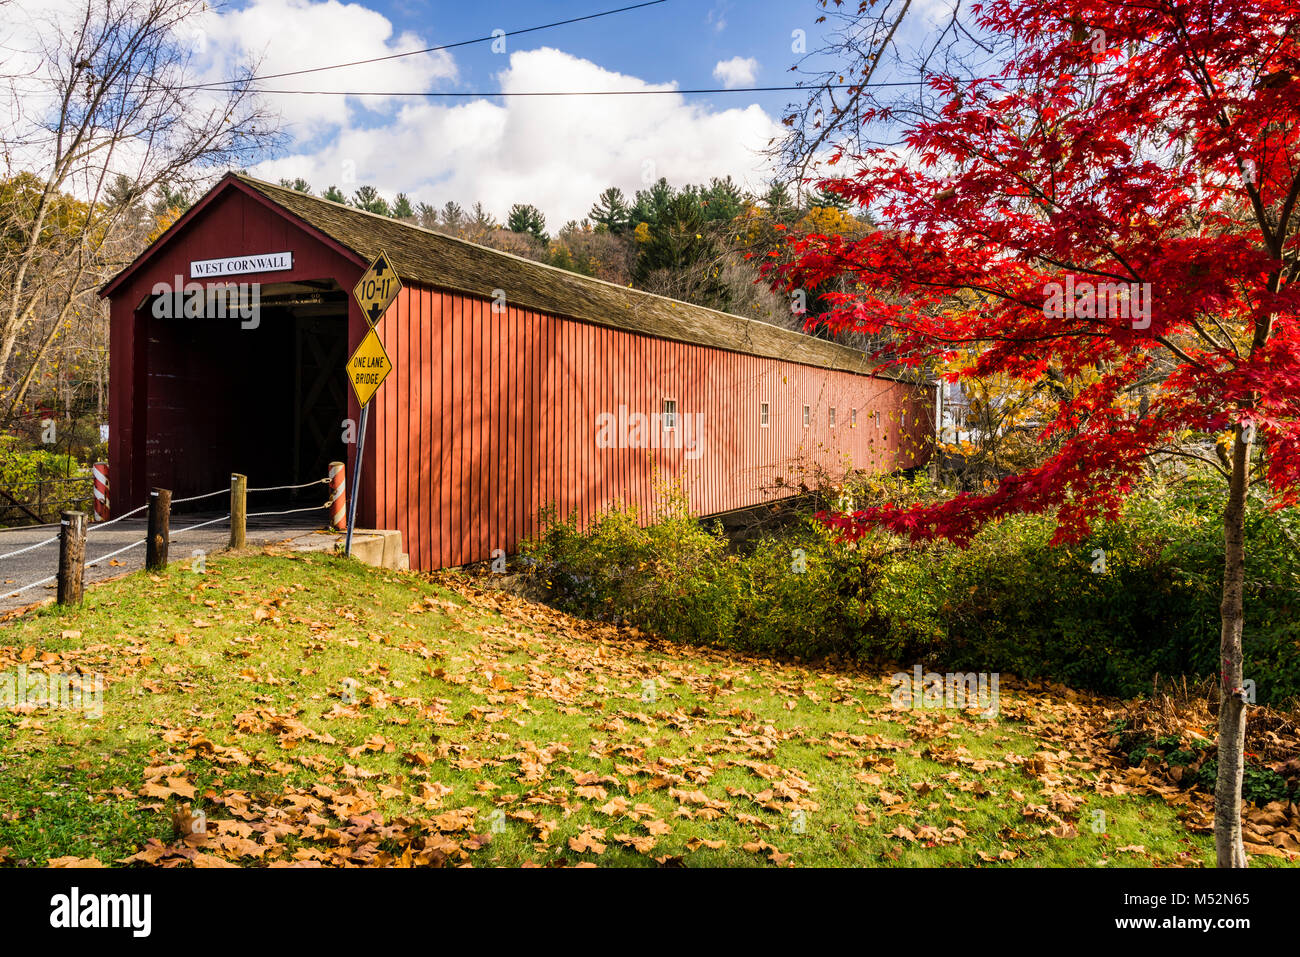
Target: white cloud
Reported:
[(288, 35), (555, 152), (718, 16), (738, 71)]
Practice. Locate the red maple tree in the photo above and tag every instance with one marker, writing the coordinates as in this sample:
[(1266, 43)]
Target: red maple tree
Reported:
[(1116, 207)]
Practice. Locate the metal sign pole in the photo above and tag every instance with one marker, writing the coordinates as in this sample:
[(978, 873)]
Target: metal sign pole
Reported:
[(369, 365), (356, 476)]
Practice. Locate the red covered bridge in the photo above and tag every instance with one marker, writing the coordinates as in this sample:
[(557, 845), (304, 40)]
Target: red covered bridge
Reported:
[(515, 384)]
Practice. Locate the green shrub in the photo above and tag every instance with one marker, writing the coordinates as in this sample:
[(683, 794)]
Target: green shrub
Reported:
[(1138, 599), (22, 468), (1259, 785)]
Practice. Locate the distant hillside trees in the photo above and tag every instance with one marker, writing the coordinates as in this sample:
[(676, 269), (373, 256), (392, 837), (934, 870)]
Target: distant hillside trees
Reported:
[(106, 142), (699, 243)]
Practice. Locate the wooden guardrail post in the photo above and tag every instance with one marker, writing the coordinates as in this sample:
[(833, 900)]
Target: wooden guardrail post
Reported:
[(72, 557), (160, 510), (238, 509)]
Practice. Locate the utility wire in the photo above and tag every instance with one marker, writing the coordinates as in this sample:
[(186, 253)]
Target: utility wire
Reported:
[(797, 87), (224, 84), (736, 89)]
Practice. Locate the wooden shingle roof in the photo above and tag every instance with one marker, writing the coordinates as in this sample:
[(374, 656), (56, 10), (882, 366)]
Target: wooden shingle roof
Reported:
[(445, 262)]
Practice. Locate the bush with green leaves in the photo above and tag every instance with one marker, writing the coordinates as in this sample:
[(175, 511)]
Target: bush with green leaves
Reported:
[(22, 468), (1138, 600)]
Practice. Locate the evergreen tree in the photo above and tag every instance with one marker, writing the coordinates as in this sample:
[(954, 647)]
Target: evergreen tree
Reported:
[(651, 205), (561, 257), (368, 198), (170, 199), (723, 200), (402, 208), (778, 202), (829, 200), (611, 211), (681, 244), (335, 195), (124, 195), (526, 218), (453, 216)]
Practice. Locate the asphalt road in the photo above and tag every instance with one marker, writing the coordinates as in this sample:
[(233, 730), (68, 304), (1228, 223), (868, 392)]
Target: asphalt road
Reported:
[(19, 571)]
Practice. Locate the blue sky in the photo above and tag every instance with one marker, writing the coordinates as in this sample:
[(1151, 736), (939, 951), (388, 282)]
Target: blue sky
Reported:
[(557, 153), (677, 41)]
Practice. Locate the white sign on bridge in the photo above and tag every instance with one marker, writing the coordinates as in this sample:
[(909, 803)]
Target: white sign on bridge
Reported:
[(237, 265)]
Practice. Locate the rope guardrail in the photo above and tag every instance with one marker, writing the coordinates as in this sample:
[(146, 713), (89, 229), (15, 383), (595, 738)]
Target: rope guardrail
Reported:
[(19, 591), (74, 532), (182, 531), (289, 511), (180, 501), (126, 548), (195, 498), (30, 548), (113, 521), (285, 488)]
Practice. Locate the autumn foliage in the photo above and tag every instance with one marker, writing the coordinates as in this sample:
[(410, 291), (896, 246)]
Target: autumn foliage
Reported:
[(1115, 211), (1151, 148)]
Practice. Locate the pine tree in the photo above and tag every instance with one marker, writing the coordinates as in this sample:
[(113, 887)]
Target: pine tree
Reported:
[(402, 208), (453, 216), (825, 199), (778, 202), (611, 211), (680, 244), (651, 204), (368, 198), (723, 200), (171, 199), (526, 218)]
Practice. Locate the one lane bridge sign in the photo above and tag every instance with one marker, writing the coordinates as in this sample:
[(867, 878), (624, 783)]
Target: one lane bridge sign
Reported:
[(368, 368), (377, 288)]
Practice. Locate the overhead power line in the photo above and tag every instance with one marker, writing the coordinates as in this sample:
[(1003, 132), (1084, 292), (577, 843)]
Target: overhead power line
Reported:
[(482, 94), (223, 84)]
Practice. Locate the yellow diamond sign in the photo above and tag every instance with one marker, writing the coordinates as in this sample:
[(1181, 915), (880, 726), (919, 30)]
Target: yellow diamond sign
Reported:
[(377, 289), (368, 368)]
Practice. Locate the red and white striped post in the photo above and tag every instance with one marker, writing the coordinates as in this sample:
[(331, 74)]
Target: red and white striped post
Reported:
[(338, 498), (100, 471)]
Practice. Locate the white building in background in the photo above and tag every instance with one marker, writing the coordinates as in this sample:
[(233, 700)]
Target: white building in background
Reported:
[(955, 408)]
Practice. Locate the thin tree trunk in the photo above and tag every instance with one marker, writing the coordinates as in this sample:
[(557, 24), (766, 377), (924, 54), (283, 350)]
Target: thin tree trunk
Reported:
[(1232, 701), (19, 391)]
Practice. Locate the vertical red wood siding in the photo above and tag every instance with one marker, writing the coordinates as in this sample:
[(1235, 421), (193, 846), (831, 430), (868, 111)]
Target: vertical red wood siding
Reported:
[(491, 415), (182, 398), (491, 412)]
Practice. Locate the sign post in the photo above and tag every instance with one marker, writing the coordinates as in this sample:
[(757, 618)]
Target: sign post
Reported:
[(369, 365)]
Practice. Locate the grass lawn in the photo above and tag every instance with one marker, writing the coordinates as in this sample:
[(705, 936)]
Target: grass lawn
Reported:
[(301, 709)]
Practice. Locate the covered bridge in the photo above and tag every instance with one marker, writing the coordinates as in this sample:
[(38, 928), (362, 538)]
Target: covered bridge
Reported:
[(515, 385)]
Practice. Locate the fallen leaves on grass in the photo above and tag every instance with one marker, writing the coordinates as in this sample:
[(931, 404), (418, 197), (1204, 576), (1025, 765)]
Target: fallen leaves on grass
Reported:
[(681, 751)]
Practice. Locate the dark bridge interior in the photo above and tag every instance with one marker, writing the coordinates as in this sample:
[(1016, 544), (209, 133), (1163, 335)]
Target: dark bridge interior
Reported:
[(268, 400)]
